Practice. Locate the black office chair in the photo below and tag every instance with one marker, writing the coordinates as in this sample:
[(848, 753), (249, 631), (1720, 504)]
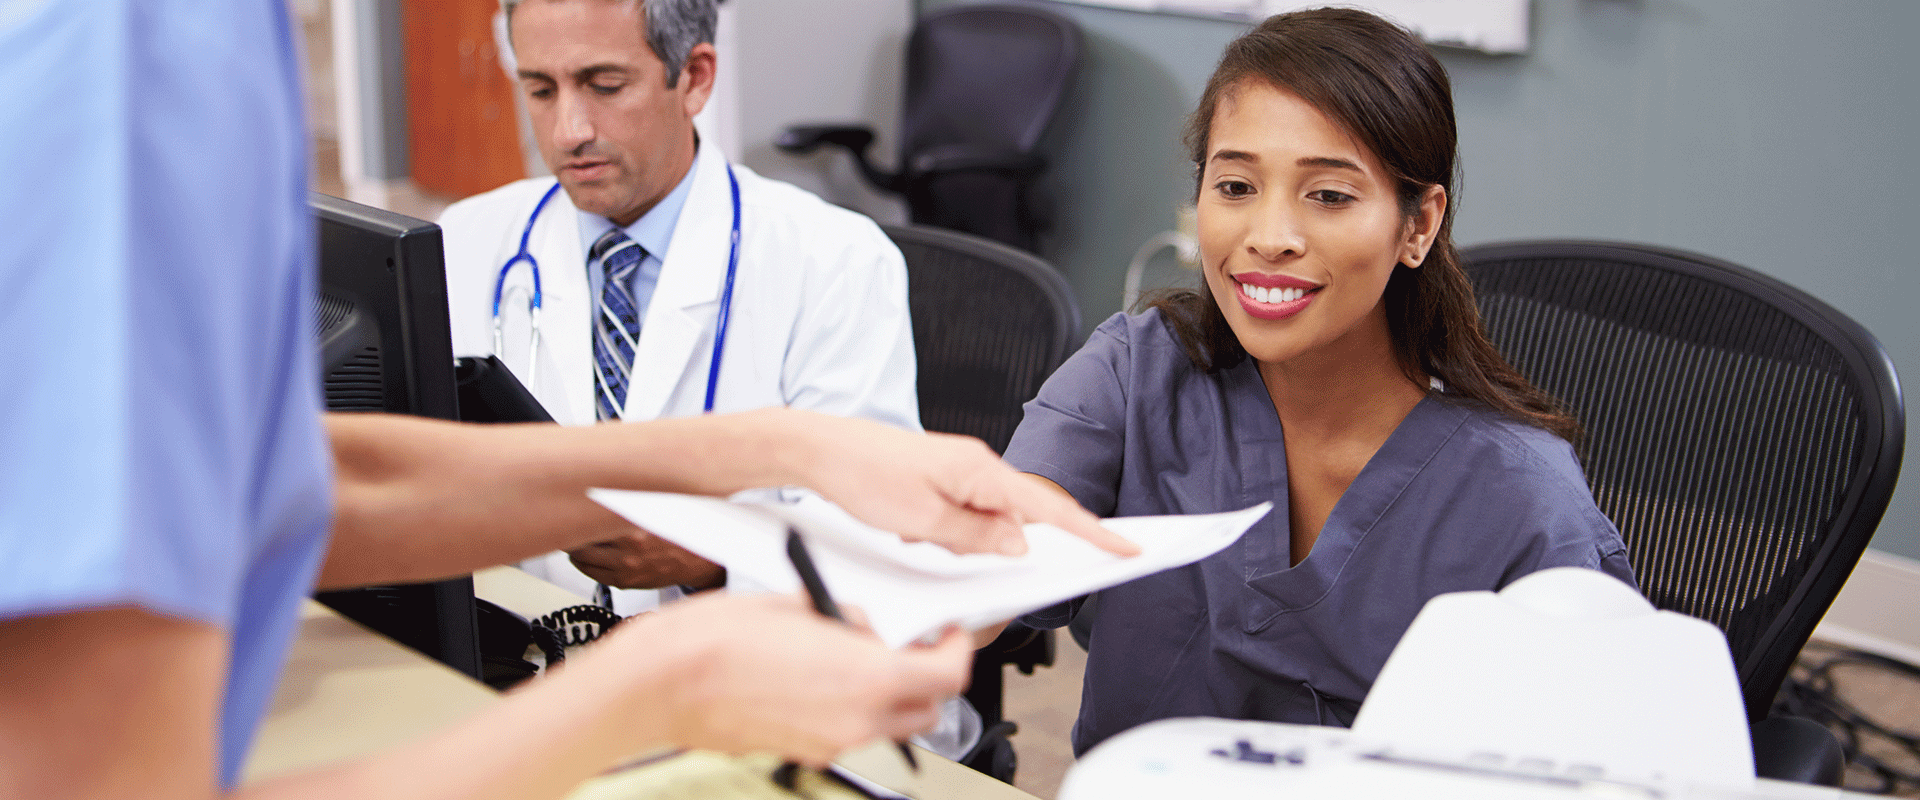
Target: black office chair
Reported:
[(1744, 436), (982, 83), (990, 323)]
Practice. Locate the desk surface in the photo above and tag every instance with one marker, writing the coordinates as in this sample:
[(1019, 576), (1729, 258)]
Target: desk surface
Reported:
[(348, 691)]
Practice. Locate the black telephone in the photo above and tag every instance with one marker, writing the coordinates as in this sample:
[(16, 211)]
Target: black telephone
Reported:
[(505, 637), (489, 392)]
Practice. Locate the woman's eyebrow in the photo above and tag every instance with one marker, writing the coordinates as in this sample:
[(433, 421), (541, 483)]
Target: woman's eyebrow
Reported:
[(1328, 162)]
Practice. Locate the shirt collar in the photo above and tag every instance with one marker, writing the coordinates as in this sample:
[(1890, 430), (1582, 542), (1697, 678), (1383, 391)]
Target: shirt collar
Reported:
[(654, 229)]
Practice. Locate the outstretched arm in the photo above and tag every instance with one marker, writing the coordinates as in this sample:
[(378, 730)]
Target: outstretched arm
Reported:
[(122, 702), (420, 499), (985, 636)]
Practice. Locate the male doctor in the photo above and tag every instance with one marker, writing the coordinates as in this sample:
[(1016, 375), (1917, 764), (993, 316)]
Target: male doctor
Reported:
[(633, 253)]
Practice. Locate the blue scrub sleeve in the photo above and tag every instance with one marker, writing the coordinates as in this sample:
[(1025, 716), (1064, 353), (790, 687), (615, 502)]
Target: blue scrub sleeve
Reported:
[(1074, 434), (1074, 431)]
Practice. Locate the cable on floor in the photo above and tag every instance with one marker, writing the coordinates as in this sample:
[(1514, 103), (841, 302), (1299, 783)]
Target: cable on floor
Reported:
[(1815, 695)]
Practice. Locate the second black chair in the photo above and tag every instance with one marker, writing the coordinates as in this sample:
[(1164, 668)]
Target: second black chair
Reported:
[(983, 82)]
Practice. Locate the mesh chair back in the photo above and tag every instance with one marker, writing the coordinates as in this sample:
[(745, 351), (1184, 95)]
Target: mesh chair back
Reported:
[(1744, 436), (990, 323)]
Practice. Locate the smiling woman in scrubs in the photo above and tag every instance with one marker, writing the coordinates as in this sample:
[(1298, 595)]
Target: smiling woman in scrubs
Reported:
[(1333, 363)]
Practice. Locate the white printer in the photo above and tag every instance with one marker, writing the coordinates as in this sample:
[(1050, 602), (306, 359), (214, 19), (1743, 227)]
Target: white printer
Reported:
[(1565, 684), (1196, 758)]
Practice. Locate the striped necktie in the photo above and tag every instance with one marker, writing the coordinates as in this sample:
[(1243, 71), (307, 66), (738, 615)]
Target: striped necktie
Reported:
[(616, 325)]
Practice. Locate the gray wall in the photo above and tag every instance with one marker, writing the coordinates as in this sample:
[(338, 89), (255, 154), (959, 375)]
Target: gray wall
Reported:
[(789, 76), (1777, 135)]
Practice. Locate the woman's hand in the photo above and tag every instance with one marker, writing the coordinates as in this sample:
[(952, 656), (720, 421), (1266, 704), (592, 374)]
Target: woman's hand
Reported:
[(949, 490)]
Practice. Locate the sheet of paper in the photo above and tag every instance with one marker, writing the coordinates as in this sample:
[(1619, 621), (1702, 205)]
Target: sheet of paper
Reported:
[(910, 590)]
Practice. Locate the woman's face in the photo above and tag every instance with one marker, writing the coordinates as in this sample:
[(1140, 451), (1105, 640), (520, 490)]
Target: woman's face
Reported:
[(1300, 228)]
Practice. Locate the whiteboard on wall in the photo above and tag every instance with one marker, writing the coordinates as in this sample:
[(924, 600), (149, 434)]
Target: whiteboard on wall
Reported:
[(1490, 26)]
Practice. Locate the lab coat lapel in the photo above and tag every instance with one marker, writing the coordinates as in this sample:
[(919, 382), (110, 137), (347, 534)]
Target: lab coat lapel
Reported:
[(675, 340), (567, 314)]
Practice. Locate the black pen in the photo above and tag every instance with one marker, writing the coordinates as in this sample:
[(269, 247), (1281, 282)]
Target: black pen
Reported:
[(823, 602)]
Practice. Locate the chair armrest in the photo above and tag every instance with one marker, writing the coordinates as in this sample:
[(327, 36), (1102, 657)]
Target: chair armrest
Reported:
[(1021, 646), (967, 157), (803, 139), (1797, 749)]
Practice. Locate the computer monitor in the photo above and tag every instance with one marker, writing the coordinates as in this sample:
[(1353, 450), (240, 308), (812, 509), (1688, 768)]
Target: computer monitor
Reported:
[(385, 346)]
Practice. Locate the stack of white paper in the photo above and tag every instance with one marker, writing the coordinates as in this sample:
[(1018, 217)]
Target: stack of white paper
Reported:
[(911, 590)]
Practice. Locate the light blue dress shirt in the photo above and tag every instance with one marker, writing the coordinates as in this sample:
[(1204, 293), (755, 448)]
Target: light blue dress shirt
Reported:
[(160, 436), (653, 231)]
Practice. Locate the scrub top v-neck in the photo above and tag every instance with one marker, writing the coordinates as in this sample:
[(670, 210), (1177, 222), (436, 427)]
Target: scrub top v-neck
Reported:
[(1459, 498)]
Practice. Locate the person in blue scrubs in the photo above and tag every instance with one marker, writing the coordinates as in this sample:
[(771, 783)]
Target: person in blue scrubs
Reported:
[(1332, 363), (170, 491)]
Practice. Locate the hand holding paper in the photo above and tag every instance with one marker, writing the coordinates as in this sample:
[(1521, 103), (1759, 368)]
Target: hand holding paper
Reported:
[(909, 590), (937, 487)]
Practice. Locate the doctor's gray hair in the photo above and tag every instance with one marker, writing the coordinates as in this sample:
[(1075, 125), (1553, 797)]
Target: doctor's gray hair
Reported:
[(673, 28)]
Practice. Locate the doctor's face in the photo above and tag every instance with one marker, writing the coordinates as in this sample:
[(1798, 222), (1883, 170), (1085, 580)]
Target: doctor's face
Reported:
[(618, 138), (1300, 228)]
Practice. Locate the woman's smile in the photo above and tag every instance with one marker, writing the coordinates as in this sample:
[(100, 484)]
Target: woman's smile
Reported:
[(1272, 296)]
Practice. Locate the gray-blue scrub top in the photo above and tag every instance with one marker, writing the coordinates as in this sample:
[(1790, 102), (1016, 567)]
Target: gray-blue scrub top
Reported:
[(1459, 498)]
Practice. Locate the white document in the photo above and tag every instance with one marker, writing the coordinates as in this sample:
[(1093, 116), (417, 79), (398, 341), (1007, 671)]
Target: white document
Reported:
[(911, 590)]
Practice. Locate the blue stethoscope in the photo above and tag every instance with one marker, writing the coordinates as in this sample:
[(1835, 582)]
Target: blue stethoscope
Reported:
[(533, 300)]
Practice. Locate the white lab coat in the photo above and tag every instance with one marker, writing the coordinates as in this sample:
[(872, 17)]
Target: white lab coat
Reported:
[(819, 316)]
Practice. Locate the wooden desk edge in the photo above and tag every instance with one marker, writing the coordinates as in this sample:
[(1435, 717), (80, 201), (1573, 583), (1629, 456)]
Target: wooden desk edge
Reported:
[(319, 713)]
